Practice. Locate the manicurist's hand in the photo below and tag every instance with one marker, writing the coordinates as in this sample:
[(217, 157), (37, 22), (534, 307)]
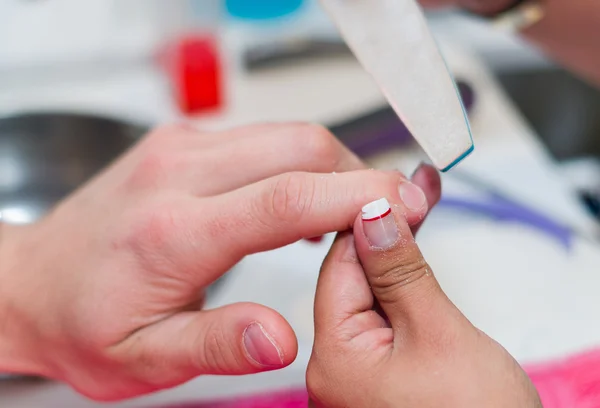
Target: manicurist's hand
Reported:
[(106, 292), (387, 336), (566, 32)]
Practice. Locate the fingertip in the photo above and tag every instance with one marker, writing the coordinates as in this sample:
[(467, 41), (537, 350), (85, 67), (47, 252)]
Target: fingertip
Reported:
[(268, 340), (428, 179), (414, 202), (242, 338), (377, 236), (411, 201)]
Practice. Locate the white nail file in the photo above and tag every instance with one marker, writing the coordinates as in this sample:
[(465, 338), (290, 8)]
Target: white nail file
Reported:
[(392, 41)]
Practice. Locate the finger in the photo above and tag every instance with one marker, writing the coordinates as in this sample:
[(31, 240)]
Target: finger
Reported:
[(238, 339), (342, 293), (186, 136), (287, 208), (177, 136), (281, 149), (400, 279), (428, 179)]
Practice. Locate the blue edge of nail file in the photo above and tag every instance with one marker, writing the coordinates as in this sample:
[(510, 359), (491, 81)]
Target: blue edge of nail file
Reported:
[(393, 43), (459, 159)]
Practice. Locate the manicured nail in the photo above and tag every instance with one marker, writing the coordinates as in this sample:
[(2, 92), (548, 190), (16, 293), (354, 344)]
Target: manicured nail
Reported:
[(261, 347), (379, 224), (412, 196)]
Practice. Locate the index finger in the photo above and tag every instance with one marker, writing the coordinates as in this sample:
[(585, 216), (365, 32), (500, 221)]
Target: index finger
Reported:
[(284, 209)]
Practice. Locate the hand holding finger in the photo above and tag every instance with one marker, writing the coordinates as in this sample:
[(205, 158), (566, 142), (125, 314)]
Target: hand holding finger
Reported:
[(287, 208), (421, 351)]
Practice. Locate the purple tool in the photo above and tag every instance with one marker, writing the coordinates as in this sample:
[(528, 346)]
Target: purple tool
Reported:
[(498, 206)]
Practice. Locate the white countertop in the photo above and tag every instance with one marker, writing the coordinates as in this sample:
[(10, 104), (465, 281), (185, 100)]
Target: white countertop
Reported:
[(507, 153)]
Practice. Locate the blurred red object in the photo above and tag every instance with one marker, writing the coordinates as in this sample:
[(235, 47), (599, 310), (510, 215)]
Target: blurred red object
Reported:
[(194, 67)]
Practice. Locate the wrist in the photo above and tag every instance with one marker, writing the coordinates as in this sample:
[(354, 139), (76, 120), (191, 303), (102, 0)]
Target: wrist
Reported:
[(18, 348)]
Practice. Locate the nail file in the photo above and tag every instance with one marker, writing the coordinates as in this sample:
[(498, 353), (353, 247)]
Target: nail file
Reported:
[(392, 41)]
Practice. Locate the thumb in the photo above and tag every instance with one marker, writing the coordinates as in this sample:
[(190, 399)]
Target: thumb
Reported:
[(400, 278), (242, 338)]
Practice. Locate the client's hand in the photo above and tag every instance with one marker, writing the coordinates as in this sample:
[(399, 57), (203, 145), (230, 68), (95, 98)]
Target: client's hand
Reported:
[(387, 336), (106, 292)]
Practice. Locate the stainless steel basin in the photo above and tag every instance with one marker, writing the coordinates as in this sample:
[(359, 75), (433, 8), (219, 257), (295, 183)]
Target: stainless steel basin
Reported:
[(45, 156)]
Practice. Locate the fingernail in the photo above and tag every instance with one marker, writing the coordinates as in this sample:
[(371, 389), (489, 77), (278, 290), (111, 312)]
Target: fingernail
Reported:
[(261, 347), (379, 224), (412, 196)]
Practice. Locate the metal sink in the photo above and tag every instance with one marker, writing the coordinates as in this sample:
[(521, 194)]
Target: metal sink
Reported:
[(563, 110), (46, 156)]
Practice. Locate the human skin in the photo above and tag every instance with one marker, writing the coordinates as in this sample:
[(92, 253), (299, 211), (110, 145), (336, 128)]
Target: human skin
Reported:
[(568, 33), (105, 293), (387, 336)]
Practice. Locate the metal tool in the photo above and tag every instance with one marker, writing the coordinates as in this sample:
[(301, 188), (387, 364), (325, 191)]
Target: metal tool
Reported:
[(392, 41)]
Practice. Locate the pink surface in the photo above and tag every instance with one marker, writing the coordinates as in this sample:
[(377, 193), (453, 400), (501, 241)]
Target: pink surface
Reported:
[(573, 382), (281, 399)]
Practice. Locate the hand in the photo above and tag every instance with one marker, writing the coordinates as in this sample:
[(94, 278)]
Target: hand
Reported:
[(387, 336), (105, 293)]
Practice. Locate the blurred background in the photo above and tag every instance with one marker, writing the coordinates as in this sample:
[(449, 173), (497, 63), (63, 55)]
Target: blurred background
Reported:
[(80, 81)]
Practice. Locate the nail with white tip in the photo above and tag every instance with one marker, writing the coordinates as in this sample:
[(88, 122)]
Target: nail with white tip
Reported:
[(379, 224)]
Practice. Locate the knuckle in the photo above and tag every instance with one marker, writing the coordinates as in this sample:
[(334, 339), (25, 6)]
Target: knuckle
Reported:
[(152, 231), (163, 136), (400, 273), (168, 131), (153, 163), (149, 170), (291, 197), (213, 228), (216, 356)]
